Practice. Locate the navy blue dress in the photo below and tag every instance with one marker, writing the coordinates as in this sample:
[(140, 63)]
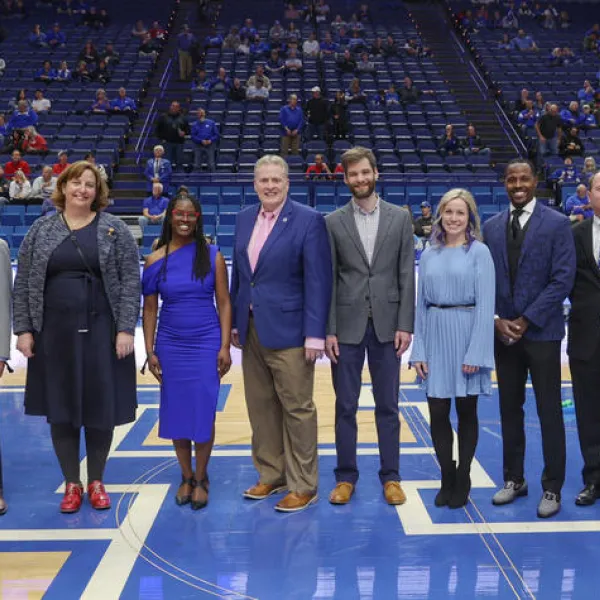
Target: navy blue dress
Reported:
[(187, 344), (75, 376)]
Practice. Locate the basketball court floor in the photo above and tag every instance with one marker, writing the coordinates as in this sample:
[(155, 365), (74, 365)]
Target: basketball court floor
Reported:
[(148, 548)]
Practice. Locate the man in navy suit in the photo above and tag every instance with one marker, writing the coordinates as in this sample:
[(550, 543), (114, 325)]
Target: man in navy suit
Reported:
[(280, 292), (534, 256), (158, 169)]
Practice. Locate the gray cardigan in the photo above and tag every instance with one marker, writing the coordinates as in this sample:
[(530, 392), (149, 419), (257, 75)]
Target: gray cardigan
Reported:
[(5, 301), (119, 265)]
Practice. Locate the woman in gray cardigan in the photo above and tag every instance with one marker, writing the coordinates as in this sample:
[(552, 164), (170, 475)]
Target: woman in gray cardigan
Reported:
[(76, 305), (5, 302)]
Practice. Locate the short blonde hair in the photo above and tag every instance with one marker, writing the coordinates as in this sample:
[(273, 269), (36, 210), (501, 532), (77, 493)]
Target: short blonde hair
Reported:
[(271, 159), (74, 171), (438, 235)]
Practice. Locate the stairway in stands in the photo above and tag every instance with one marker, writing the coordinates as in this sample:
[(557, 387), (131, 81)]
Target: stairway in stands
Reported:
[(465, 81)]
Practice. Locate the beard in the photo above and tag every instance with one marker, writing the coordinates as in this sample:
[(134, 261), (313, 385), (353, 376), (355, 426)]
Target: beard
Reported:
[(362, 194)]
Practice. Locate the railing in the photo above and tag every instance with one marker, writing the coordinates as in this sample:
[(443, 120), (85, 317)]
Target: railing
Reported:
[(140, 147)]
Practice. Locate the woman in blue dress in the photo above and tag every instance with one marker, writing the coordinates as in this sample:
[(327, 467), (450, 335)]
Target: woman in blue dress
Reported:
[(453, 349), (190, 351)]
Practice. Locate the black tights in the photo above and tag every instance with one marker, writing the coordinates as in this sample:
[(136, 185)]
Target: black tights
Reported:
[(65, 439), (441, 430)]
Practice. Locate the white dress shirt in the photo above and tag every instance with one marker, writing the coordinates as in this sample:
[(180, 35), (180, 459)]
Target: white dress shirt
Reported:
[(526, 214), (596, 237)]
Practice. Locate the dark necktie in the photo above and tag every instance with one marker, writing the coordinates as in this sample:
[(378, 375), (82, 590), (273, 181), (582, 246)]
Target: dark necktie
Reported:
[(515, 224)]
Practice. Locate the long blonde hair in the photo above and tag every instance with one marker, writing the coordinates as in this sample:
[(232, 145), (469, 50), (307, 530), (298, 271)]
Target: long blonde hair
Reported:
[(438, 235)]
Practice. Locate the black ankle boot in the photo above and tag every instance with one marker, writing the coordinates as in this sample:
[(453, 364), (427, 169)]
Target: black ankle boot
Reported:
[(462, 487), (448, 481)]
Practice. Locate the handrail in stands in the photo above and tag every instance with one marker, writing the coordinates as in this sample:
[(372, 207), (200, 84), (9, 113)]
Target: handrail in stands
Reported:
[(151, 116)]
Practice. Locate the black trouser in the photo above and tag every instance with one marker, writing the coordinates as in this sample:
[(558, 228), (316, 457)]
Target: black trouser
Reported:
[(65, 439), (586, 390), (441, 431), (542, 361)]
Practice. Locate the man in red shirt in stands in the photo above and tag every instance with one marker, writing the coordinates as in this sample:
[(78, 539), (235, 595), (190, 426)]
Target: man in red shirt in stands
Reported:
[(16, 164), (62, 164), (319, 170)]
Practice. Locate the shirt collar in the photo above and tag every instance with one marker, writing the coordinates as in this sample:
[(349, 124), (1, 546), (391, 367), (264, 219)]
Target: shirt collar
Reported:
[(596, 221), (359, 210), (527, 209), (263, 213)]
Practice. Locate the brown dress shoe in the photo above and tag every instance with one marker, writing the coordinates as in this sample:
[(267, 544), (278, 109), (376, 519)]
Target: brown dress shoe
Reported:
[(393, 492), (341, 493), (260, 491), (294, 502)]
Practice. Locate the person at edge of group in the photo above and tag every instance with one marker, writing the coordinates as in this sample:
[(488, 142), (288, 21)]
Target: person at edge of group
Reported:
[(190, 352), (583, 345), (534, 257), (5, 332), (76, 305), (372, 312), (279, 322), (453, 350)]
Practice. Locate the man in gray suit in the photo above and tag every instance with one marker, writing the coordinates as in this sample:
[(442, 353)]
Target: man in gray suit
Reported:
[(5, 327), (372, 311)]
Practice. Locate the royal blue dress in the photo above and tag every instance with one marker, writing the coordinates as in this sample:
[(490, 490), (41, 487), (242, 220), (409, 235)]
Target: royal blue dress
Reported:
[(187, 344), (448, 338)]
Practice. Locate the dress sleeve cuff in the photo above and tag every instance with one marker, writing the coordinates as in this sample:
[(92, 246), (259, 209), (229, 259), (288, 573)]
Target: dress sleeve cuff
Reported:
[(314, 343)]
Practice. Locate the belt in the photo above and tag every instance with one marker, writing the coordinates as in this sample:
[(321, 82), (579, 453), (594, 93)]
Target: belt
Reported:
[(444, 306)]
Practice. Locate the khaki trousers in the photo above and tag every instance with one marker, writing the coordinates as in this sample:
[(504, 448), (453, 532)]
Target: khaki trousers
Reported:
[(186, 65), (290, 144), (279, 396)]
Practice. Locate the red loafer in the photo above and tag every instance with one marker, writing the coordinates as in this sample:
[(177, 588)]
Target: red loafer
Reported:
[(97, 496), (71, 501)]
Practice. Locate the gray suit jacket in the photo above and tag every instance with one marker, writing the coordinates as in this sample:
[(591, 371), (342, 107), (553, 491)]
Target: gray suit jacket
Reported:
[(5, 300), (388, 283), (119, 264)]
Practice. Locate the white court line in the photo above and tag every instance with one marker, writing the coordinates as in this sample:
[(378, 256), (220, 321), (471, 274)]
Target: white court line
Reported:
[(416, 520), (56, 535), (115, 567), (243, 452)]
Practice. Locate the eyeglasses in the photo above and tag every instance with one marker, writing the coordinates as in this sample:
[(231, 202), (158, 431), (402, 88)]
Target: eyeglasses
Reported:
[(184, 213)]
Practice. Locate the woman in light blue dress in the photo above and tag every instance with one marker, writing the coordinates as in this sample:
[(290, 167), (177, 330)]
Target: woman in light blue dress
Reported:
[(453, 349)]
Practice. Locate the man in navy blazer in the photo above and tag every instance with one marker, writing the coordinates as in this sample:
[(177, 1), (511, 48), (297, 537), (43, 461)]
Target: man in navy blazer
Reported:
[(158, 169), (280, 292), (534, 256)]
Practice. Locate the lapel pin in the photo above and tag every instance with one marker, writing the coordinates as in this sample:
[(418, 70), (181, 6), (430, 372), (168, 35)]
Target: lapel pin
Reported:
[(285, 219), (111, 231)]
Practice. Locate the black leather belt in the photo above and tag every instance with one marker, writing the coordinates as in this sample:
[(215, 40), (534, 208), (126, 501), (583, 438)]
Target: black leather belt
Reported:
[(444, 306)]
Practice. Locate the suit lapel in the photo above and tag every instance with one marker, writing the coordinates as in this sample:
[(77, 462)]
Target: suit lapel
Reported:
[(106, 238), (385, 222), (280, 226), (349, 224), (503, 233), (587, 239), (246, 233)]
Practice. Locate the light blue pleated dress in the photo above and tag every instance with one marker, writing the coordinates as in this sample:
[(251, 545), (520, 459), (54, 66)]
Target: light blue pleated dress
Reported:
[(448, 338)]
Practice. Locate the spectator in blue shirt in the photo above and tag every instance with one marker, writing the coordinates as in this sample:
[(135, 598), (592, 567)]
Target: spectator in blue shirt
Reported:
[(123, 103), (63, 73), (185, 45), (524, 42), (449, 143), (578, 206), (158, 169), (205, 135), (392, 96), (102, 104), (200, 83), (566, 174), (587, 119), (248, 30), (56, 38), (154, 208), (274, 64), (528, 118), (22, 118), (570, 116), (259, 48), (37, 37), (291, 118), (220, 83), (4, 131), (586, 93), (46, 72)]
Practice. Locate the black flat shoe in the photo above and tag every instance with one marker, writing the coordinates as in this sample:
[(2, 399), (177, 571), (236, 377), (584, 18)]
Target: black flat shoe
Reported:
[(588, 495), (198, 504), (460, 493), (181, 499)]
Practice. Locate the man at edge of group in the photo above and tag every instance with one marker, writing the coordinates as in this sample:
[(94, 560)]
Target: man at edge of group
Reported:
[(534, 257), (372, 310), (584, 345)]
